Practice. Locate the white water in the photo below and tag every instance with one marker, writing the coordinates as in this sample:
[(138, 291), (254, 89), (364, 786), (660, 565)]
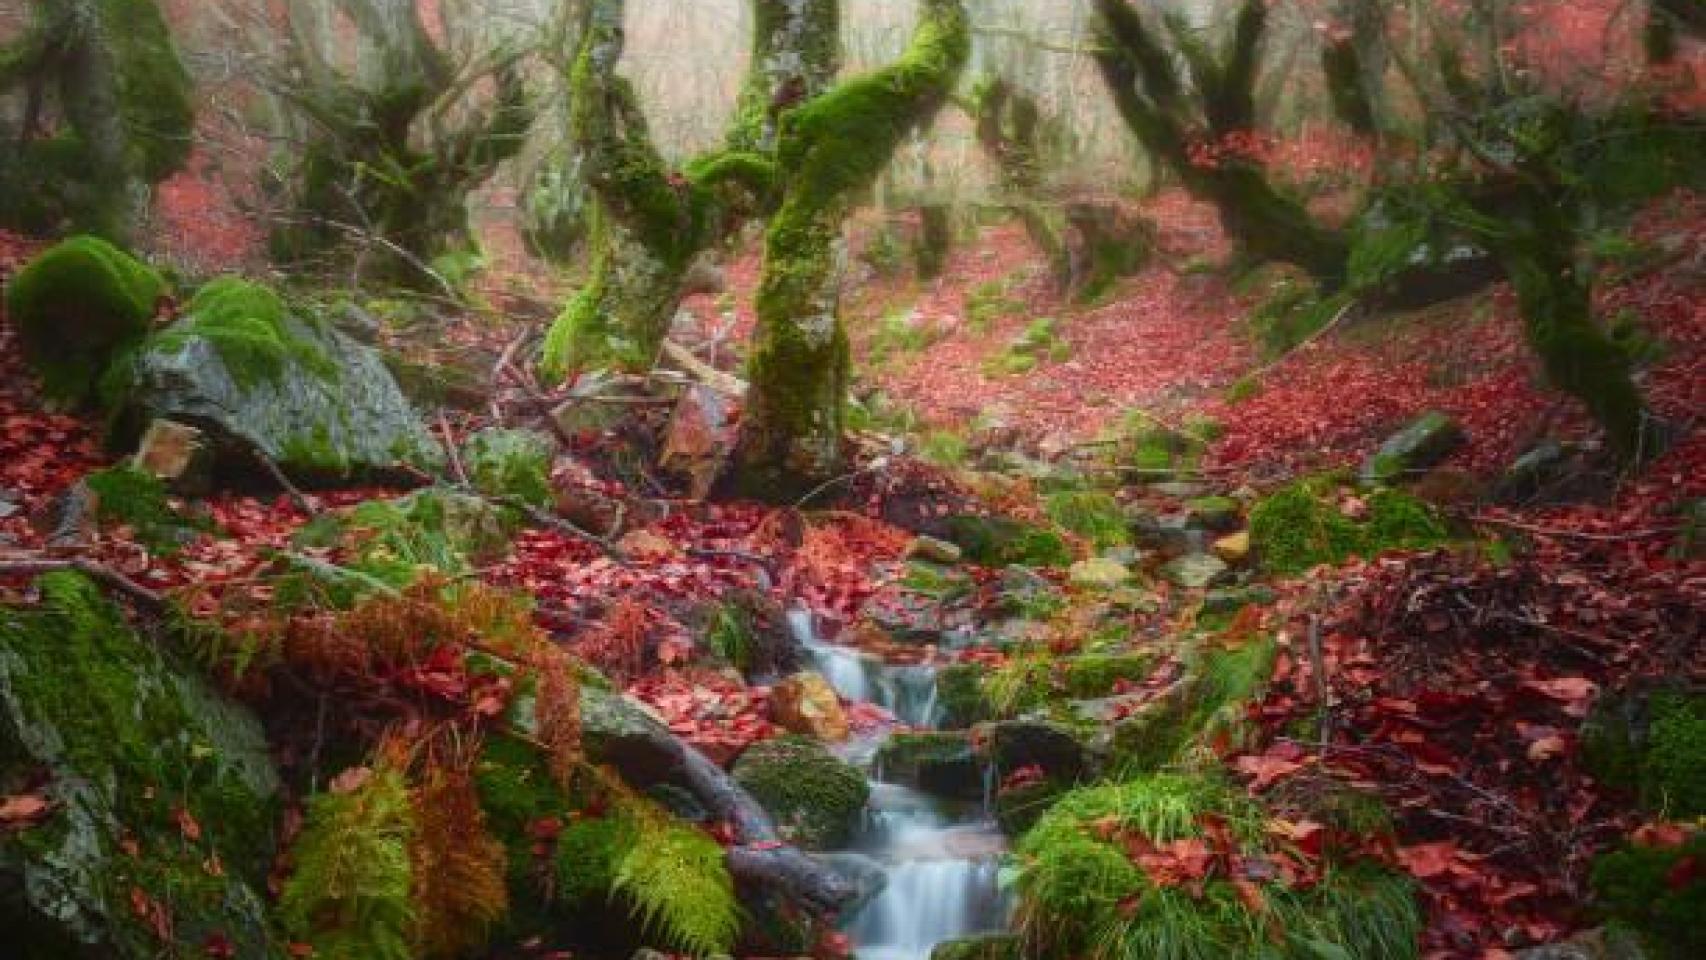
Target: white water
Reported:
[(943, 871)]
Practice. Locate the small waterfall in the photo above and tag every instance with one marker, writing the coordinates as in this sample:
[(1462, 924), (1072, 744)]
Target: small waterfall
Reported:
[(943, 870)]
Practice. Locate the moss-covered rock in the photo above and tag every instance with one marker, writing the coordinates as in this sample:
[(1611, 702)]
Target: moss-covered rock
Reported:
[(1650, 891), (137, 751), (1422, 443), (1055, 749), (1095, 675), (998, 946), (511, 463), (960, 696), (1001, 542), (1217, 513), (816, 798), (76, 307), (1207, 705), (941, 763), (263, 378), (1081, 893), (1302, 526), (1653, 744)]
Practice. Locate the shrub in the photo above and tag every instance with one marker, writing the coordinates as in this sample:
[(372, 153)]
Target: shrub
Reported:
[(511, 463), (1637, 889)]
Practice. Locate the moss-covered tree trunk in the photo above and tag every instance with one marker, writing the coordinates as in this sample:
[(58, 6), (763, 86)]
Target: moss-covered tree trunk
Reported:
[(650, 221), (829, 150), (106, 114), (1007, 121), (1194, 129)]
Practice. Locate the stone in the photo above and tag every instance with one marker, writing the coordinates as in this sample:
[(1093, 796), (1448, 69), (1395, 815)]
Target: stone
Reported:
[(940, 763), (864, 874), (321, 406), (932, 550), (1196, 571), (1232, 599), (1016, 744), (1219, 514), (1603, 944), (1179, 489), (1170, 536), (805, 703), (699, 439), (816, 798), (1426, 441), (1099, 574), (960, 697), (1234, 548), (177, 454)]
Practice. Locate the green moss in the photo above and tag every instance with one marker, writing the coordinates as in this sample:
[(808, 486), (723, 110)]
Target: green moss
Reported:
[(589, 851), (515, 463), (1095, 516), (1209, 706), (1301, 526), (1295, 311), (125, 495), (155, 91), (1636, 888), (349, 896), (1082, 895), (815, 797), (132, 744), (1098, 674), (902, 333), (1673, 776), (988, 302), (248, 326), (959, 695), (1000, 542), (76, 307)]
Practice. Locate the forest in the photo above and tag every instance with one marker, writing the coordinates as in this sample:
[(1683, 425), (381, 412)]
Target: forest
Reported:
[(853, 479)]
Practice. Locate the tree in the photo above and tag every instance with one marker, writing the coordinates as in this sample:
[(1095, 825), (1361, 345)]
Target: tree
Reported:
[(388, 155), (829, 150), (1198, 122), (106, 114), (649, 221)]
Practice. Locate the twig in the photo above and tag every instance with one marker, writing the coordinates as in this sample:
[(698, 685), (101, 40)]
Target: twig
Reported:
[(712, 377), (146, 600), (450, 449), (551, 521), (1339, 318), (291, 490), (1576, 534)]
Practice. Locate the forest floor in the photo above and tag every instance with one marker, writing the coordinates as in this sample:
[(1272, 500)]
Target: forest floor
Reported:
[(1452, 683)]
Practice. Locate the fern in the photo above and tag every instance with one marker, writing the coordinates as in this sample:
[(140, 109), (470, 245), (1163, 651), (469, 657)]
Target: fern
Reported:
[(678, 883), (458, 867), (349, 896)]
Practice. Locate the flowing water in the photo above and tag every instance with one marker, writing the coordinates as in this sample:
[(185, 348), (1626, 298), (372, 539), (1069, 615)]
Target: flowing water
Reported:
[(942, 862)]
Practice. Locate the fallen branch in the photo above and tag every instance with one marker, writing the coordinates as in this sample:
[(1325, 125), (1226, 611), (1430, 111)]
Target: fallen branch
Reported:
[(146, 600), (1312, 339), (283, 480), (717, 380), (1575, 534)]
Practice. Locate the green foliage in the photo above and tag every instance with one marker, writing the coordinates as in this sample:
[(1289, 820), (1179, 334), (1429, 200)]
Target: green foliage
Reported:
[(513, 463), (1001, 542), (1222, 681), (589, 850), (1039, 342), (390, 543), (943, 447), (1081, 895), (679, 884), (988, 302), (814, 795), (1095, 516), (248, 325), (128, 496), (76, 307), (1021, 683), (1302, 526), (1093, 675), (1674, 770), (1293, 312), (155, 91), (1636, 889), (902, 333), (959, 695), (349, 896)]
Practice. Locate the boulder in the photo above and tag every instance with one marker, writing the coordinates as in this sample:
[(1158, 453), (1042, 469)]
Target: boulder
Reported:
[(864, 874), (816, 798), (1170, 536), (940, 763), (1426, 441), (699, 438), (257, 377), (1052, 747), (805, 703), (1196, 571)]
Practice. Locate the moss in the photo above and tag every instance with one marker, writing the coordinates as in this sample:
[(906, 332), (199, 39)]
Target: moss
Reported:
[(1219, 683), (125, 495), (902, 333), (1095, 516), (959, 695), (134, 745), (349, 895), (1215, 513), (248, 326), (155, 91), (999, 946), (815, 797), (1082, 895), (1300, 527), (1637, 888), (589, 851), (76, 307), (1098, 674), (1001, 542), (515, 463)]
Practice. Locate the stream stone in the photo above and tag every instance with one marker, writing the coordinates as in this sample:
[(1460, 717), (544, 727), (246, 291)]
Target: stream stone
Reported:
[(1196, 571), (940, 763), (1052, 747), (1423, 443), (805, 703), (816, 798), (1099, 573), (1219, 514)]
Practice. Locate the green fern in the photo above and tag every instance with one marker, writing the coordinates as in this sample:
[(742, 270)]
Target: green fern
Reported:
[(349, 896), (679, 884)]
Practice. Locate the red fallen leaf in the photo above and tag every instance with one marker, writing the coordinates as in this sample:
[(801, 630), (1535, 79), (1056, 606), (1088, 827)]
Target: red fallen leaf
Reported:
[(1266, 770), (1659, 836), (1567, 690), (1683, 873), (350, 780), (545, 828), (1427, 860), (23, 809), (299, 949), (219, 945), (1546, 748), (187, 825), (1306, 834)]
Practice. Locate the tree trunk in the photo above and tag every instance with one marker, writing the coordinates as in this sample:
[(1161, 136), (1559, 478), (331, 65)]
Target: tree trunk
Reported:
[(829, 150), (796, 53)]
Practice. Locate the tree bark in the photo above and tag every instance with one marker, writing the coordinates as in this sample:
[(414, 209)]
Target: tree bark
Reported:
[(828, 150)]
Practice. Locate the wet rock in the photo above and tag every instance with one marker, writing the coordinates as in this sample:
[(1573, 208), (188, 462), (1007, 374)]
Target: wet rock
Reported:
[(1423, 443), (1179, 489), (1219, 514), (179, 455), (933, 550), (1196, 571), (865, 875), (960, 697), (1099, 574), (615, 725), (1019, 807), (805, 703), (816, 798), (940, 763), (1052, 747), (1170, 536)]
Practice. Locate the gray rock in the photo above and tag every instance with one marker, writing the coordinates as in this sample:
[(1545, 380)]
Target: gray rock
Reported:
[(1196, 571), (1426, 441), (865, 875), (347, 420), (942, 764), (1014, 744)]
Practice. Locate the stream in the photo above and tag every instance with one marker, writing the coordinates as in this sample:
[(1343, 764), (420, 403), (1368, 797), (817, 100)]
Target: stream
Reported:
[(941, 860)]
